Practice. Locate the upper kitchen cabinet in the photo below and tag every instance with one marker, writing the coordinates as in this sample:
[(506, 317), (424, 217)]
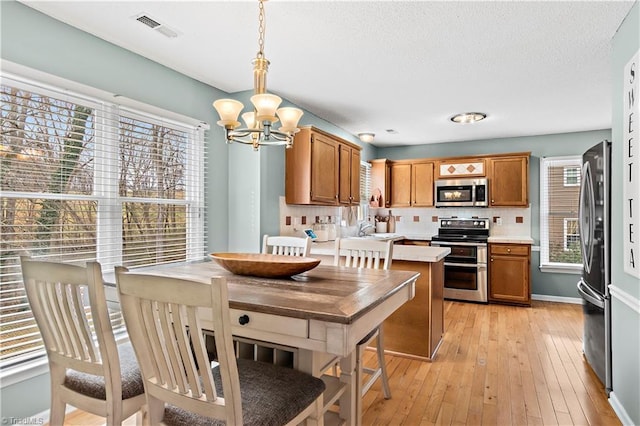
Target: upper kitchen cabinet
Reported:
[(322, 169), (460, 168), (380, 183), (509, 180), (411, 184), (422, 184), (349, 172)]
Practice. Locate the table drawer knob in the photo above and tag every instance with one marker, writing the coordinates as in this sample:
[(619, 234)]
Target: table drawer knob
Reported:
[(243, 319)]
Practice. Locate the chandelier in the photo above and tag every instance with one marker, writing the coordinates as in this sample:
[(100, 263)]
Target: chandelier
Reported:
[(258, 131)]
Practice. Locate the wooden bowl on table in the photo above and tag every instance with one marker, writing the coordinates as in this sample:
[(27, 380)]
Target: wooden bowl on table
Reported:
[(264, 265)]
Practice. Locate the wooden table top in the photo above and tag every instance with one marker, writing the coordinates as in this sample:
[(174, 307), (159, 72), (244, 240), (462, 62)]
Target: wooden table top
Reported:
[(325, 293)]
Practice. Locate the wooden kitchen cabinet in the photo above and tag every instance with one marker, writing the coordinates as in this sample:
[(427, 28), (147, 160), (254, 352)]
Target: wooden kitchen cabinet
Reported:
[(460, 168), (349, 175), (422, 184), (509, 273), (411, 184), (380, 181), (322, 169), (400, 185), (509, 181)]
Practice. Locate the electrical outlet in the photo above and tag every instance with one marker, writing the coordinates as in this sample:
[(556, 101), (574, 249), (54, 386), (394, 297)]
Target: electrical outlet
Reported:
[(499, 221)]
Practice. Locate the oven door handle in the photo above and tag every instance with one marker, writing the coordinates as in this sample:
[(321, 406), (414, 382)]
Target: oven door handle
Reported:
[(447, 244), (463, 265)]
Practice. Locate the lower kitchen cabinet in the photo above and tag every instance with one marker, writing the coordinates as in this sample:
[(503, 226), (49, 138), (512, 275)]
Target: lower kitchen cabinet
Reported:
[(509, 273)]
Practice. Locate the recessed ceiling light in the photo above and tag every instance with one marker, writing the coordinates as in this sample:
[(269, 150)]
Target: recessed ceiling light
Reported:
[(468, 117)]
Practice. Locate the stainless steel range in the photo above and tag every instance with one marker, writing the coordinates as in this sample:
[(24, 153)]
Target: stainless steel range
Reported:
[(465, 268)]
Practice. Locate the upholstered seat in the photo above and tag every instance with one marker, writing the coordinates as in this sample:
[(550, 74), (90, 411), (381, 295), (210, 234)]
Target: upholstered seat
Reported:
[(263, 386), (94, 386)]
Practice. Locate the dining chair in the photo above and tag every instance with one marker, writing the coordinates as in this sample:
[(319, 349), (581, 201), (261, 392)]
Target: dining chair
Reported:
[(88, 369), (166, 318), (290, 246), (373, 254)]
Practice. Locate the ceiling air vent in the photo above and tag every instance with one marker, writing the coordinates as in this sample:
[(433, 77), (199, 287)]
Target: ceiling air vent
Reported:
[(155, 25)]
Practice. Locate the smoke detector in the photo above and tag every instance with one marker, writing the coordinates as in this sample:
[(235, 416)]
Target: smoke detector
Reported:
[(156, 25)]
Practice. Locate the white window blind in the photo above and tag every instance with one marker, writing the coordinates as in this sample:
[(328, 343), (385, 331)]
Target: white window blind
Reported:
[(559, 201), (83, 179), (365, 182)]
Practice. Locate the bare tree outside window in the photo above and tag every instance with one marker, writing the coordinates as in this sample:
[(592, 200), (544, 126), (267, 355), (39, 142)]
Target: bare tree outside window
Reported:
[(78, 185)]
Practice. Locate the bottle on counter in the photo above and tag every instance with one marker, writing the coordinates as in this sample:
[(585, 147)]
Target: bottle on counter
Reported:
[(391, 225)]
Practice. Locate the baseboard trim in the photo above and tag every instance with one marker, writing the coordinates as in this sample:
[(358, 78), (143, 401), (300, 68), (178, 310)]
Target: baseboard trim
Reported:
[(625, 298), (559, 299), (619, 410)]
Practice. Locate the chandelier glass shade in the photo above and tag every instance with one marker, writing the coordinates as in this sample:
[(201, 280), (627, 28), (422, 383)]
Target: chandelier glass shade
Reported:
[(258, 129)]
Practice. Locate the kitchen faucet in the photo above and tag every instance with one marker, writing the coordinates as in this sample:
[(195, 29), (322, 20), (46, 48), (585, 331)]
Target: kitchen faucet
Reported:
[(362, 228)]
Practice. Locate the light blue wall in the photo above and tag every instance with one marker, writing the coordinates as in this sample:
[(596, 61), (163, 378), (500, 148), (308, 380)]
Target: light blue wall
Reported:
[(545, 283), (625, 316)]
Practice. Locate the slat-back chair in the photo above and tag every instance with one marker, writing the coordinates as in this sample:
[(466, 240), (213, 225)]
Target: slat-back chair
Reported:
[(88, 370), (376, 254), (288, 246), (166, 329)]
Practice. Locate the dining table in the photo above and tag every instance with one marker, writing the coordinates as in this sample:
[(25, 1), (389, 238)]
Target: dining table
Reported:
[(322, 313)]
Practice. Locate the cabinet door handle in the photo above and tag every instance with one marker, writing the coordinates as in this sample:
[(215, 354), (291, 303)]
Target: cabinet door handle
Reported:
[(244, 319), (508, 250), (492, 259)]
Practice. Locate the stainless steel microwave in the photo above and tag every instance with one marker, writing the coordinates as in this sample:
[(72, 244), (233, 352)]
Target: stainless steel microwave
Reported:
[(461, 193)]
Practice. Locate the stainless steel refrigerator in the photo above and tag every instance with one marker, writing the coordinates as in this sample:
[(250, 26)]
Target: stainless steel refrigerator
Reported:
[(595, 239)]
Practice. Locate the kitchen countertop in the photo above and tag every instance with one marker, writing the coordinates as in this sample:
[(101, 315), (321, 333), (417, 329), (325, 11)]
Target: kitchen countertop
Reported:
[(511, 239)]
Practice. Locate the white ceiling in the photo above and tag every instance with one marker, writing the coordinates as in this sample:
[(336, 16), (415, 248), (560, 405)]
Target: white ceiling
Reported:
[(534, 67)]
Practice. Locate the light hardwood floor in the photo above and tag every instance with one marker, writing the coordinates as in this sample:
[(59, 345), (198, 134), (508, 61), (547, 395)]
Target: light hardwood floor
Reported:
[(497, 365)]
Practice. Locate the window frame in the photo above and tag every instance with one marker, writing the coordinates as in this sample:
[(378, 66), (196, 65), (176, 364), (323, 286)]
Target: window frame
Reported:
[(105, 193), (565, 234), (545, 264), (566, 176)]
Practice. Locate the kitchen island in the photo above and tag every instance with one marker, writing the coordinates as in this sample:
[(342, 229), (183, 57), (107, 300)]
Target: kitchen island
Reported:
[(414, 330)]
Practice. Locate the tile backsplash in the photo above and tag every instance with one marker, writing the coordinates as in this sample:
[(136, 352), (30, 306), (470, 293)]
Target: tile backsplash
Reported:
[(409, 221)]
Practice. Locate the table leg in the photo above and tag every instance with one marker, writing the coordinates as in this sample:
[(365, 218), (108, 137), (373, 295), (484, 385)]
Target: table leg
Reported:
[(350, 401), (316, 363)]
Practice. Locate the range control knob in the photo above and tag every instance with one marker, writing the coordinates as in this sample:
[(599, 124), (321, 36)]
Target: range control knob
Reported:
[(476, 223)]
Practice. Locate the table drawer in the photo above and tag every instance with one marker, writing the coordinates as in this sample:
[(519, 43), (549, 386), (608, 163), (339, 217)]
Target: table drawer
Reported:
[(271, 323)]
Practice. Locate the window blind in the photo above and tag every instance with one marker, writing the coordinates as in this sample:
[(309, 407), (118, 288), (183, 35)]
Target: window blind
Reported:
[(83, 179), (365, 182), (559, 202)]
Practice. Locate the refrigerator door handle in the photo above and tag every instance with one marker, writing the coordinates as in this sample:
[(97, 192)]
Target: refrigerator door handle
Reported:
[(589, 295), (586, 238)]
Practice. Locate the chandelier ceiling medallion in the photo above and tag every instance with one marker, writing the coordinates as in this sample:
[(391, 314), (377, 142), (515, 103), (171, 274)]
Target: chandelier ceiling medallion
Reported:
[(258, 131)]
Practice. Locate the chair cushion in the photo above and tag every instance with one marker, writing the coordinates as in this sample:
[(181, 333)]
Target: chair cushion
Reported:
[(91, 385), (271, 395)]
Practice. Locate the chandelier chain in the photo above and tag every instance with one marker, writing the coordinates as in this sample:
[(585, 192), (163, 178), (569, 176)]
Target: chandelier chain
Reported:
[(261, 26)]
